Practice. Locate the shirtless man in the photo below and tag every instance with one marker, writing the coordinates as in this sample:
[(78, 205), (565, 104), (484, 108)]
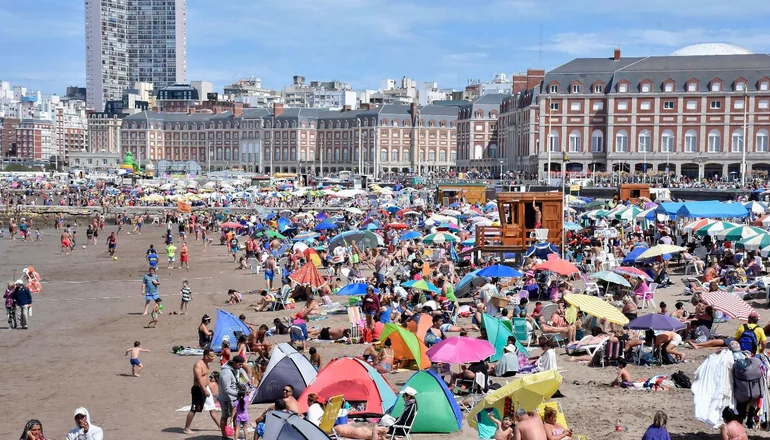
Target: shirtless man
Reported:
[(538, 216), (198, 391), (66, 241), (504, 429), (291, 402), (528, 427), (329, 333)]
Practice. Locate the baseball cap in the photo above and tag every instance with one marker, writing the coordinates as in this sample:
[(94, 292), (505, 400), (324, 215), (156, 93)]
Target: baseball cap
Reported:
[(238, 359)]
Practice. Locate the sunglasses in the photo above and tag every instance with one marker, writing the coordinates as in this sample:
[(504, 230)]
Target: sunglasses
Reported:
[(287, 391)]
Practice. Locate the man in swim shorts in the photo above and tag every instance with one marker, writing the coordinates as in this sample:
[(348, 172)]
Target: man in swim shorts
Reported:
[(150, 284), (198, 390)]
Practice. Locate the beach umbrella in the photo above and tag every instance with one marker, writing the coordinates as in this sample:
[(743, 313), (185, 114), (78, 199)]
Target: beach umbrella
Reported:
[(572, 226), (450, 212), (525, 391), (631, 257), (354, 211), (656, 321), (714, 228), (448, 226), (729, 304), (230, 225), (362, 238), (628, 214), (499, 271), (758, 241), (697, 224), (306, 236), (423, 285), (356, 289), (440, 237), (468, 282), (398, 226), (411, 235), (610, 277), (308, 274), (392, 209), (460, 350), (739, 233), (372, 226), (559, 266), (632, 271), (274, 234), (469, 242), (325, 225), (756, 207), (598, 307), (659, 250)]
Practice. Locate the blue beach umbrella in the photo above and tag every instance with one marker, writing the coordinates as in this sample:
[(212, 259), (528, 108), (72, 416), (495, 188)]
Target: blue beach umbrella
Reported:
[(356, 289), (411, 235), (499, 271)]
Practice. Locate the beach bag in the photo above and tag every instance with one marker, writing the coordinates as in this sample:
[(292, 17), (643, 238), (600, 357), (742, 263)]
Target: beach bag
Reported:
[(681, 379), (747, 380), (748, 339)]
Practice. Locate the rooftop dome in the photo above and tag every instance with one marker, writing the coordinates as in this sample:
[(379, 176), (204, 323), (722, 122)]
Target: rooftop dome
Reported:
[(711, 49)]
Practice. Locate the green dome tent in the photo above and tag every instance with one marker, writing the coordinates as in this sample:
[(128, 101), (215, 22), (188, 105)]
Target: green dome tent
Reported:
[(437, 410)]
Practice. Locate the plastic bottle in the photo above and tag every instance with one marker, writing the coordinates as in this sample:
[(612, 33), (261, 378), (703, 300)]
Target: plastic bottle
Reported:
[(618, 426)]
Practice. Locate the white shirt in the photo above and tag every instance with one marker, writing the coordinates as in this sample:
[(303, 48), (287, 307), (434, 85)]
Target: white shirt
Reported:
[(314, 414), (547, 361)]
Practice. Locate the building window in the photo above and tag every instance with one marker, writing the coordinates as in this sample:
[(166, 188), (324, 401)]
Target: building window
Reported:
[(294, 154), (761, 143), (574, 106), (715, 142), (737, 141), (453, 156), (622, 105), (574, 142), (302, 156), (431, 156), (716, 104), (621, 142), (598, 88), (646, 88), (644, 105), (763, 104), (690, 141), (394, 156), (553, 141), (383, 155), (692, 87), (715, 87), (764, 85), (668, 105), (738, 104), (597, 141), (442, 156), (554, 106), (622, 88), (492, 151), (667, 142), (597, 106), (576, 88), (405, 156), (554, 89), (669, 87), (740, 86), (644, 141), (692, 105)]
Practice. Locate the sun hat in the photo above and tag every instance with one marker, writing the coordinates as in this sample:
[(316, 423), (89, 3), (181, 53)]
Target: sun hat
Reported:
[(409, 390)]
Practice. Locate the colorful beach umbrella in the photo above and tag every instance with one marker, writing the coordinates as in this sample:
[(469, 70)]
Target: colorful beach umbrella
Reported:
[(610, 277), (440, 237), (559, 266), (632, 271), (656, 321), (411, 235), (659, 250), (758, 241), (499, 271), (714, 228), (460, 350), (697, 224), (598, 307), (423, 285), (356, 289), (729, 304), (739, 233), (308, 275)]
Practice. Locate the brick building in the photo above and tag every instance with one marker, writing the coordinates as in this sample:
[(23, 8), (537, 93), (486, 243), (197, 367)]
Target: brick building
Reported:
[(35, 140), (8, 136)]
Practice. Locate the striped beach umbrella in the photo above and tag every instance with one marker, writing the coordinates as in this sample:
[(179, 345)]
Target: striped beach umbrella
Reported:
[(728, 304)]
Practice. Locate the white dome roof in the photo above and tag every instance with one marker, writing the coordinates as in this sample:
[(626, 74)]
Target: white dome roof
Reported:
[(712, 49)]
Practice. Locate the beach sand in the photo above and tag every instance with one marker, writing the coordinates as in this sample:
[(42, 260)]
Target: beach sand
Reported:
[(89, 313)]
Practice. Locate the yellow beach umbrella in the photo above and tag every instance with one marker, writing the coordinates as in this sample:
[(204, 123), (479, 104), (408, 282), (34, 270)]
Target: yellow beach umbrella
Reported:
[(597, 307), (526, 392)]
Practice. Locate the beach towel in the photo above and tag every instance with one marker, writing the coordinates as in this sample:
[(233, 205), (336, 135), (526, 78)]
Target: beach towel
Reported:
[(189, 351)]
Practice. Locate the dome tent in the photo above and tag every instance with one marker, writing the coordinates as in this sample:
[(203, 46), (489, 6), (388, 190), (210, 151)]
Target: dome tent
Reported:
[(227, 325), (286, 367), (280, 425), (438, 411)]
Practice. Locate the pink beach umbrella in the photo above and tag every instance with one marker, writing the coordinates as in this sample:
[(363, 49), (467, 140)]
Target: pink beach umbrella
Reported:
[(730, 304), (460, 350)]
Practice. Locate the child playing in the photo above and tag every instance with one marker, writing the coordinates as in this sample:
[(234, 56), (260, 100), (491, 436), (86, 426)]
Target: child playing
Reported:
[(186, 297), (241, 416), (234, 297), (265, 302), (315, 358), (136, 364), (504, 429), (37, 234), (624, 377), (155, 314)]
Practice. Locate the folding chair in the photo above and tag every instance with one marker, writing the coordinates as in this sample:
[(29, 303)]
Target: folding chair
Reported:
[(591, 286), (560, 419), (282, 299), (546, 312), (612, 351), (355, 316), (404, 428), (476, 393), (331, 411), (520, 331)]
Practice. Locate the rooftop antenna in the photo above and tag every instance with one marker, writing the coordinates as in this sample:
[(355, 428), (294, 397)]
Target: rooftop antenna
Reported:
[(540, 49)]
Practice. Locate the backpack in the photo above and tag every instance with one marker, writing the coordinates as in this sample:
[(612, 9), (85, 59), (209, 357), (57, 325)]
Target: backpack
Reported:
[(681, 379), (747, 380), (748, 339)]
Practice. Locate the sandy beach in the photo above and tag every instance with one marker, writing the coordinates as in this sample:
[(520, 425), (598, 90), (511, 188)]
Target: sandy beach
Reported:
[(89, 313)]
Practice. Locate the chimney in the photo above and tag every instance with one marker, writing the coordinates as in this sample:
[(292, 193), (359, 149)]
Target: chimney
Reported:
[(616, 55), (413, 110), (519, 84), (277, 109)]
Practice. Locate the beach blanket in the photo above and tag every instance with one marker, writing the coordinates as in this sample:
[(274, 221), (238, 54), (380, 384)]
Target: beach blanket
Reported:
[(341, 340), (189, 351)]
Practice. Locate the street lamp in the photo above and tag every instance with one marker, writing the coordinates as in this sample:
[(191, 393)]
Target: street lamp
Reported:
[(501, 175)]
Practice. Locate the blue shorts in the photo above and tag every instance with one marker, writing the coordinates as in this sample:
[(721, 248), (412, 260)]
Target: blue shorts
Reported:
[(370, 312), (269, 275), (136, 362), (151, 297), (298, 332)]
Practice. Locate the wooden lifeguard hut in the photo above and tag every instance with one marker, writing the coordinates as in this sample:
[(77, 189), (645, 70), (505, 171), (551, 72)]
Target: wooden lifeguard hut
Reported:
[(632, 191), (519, 228)]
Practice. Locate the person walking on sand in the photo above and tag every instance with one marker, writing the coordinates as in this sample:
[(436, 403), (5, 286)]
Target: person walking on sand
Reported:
[(150, 284), (199, 390), (186, 293), (171, 254), (112, 243), (184, 257), (136, 364)]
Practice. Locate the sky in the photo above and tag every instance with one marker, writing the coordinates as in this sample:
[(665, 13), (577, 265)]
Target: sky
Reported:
[(42, 43)]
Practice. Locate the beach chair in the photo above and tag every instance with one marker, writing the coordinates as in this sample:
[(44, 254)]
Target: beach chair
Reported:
[(520, 331), (612, 351), (404, 428), (649, 298), (547, 311), (331, 411), (283, 298), (592, 288), (476, 393), (560, 418), (588, 348), (691, 263), (255, 267), (355, 316)]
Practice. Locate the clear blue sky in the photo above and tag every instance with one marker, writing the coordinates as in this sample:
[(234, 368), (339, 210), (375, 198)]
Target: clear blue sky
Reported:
[(364, 41)]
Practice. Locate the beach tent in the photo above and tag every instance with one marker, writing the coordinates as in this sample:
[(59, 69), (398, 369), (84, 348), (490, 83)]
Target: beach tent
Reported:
[(497, 335), (280, 425), (286, 367), (357, 381), (227, 325), (712, 209), (438, 411), (406, 345), (669, 208)]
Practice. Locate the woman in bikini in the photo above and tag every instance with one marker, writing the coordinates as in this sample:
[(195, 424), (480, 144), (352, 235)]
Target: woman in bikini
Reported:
[(732, 429), (553, 430), (385, 357)]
